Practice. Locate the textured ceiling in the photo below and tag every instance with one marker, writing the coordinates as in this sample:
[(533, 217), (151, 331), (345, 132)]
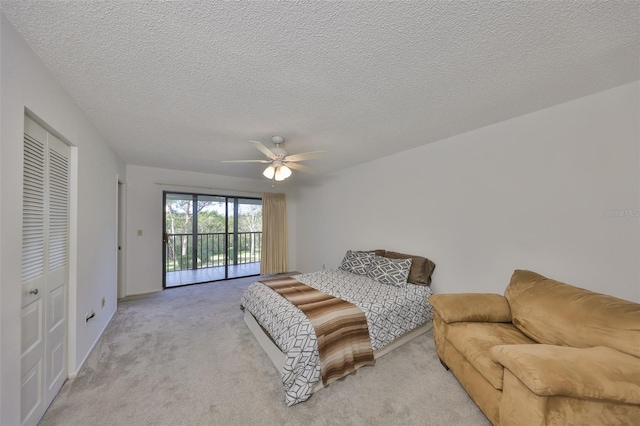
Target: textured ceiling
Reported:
[(185, 84)]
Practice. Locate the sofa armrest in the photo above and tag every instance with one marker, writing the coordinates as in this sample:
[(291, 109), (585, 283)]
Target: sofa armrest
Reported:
[(471, 307), (598, 373)]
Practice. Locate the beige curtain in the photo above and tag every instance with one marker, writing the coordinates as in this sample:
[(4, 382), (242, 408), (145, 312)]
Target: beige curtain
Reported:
[(273, 259)]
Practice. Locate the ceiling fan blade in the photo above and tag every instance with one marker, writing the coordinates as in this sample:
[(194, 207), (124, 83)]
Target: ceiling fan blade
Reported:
[(300, 167), (305, 156), (266, 151), (246, 161)]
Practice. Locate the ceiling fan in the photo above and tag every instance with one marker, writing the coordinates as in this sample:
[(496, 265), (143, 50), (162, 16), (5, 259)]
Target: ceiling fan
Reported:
[(279, 160)]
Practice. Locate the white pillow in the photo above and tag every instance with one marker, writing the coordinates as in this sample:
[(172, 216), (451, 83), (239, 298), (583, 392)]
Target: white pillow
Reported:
[(356, 262), (390, 271)]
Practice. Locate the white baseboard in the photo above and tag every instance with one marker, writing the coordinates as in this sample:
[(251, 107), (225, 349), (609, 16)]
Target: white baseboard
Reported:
[(73, 374)]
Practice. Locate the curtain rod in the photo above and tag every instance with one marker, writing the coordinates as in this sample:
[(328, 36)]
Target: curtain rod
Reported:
[(208, 187)]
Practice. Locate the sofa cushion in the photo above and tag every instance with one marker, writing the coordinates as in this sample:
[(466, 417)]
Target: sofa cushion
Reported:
[(597, 373), (473, 307), (474, 339), (555, 313)]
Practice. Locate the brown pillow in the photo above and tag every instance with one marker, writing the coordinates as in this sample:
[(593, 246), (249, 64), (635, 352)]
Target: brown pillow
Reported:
[(421, 267)]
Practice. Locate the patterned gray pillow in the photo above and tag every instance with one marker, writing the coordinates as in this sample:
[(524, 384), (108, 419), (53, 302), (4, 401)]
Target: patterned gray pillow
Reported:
[(356, 262), (390, 271)]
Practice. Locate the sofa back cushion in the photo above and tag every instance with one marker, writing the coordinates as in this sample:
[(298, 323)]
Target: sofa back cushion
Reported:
[(555, 313)]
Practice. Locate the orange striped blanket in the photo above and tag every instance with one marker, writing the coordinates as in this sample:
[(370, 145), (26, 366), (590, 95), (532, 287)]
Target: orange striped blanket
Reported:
[(341, 327)]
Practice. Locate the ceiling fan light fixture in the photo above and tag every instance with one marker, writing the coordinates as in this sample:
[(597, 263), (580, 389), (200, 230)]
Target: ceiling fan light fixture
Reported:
[(269, 172), (277, 157), (286, 171), (282, 173)]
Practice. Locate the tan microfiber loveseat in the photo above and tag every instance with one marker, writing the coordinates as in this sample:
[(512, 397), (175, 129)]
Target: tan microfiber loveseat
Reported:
[(546, 353)]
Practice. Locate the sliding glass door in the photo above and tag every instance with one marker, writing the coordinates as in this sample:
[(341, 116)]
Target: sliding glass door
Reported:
[(210, 238)]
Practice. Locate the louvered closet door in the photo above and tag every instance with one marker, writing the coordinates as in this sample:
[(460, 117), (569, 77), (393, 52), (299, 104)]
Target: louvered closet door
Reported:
[(45, 242)]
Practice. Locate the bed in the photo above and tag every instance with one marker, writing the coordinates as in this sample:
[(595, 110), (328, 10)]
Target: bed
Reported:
[(395, 313)]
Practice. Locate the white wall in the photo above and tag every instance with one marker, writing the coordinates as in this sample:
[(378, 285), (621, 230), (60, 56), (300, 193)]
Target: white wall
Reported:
[(145, 212), (26, 84), (535, 192)]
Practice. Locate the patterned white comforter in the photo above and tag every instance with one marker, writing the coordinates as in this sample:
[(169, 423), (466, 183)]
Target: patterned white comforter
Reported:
[(390, 311)]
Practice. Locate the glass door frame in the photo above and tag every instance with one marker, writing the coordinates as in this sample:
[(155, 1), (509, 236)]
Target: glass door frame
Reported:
[(229, 258)]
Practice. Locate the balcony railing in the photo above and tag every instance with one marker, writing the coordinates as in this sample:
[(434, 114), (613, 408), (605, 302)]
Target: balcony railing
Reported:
[(210, 250)]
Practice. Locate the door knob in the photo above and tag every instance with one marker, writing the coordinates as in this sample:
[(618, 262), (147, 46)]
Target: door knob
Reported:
[(34, 291)]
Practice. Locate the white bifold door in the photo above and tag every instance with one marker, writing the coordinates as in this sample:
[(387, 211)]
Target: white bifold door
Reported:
[(45, 242)]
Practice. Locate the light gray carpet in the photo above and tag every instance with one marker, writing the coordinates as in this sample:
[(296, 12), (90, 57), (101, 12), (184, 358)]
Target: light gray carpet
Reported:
[(185, 357)]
